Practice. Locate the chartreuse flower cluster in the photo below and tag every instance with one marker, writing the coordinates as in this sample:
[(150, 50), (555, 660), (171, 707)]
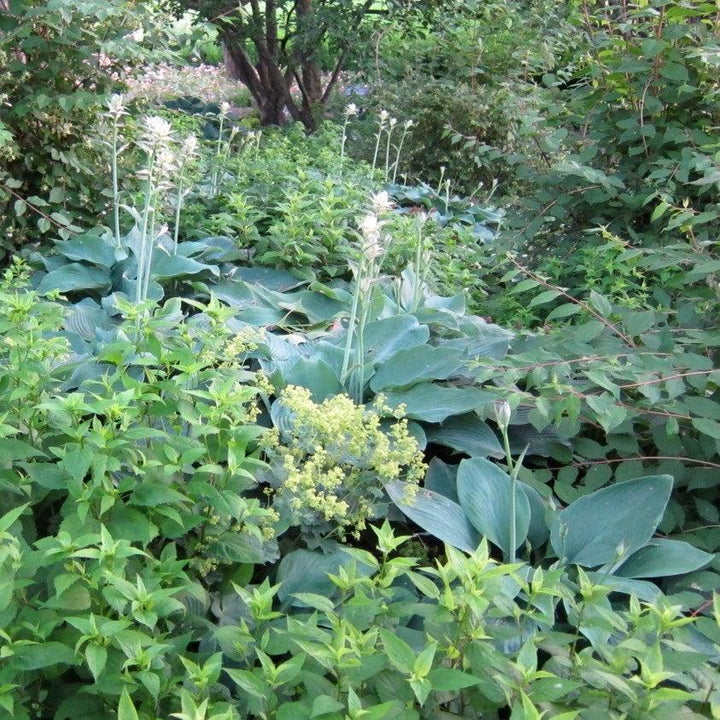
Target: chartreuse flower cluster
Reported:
[(336, 456)]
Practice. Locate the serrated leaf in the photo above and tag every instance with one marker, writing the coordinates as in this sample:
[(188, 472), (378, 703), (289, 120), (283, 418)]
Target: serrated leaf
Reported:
[(399, 653), (96, 656), (126, 709)]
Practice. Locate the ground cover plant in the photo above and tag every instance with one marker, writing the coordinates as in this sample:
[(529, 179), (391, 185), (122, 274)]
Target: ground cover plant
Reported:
[(286, 433)]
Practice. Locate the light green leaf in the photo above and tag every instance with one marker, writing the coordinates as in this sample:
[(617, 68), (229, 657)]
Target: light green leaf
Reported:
[(324, 705), (42, 655), (96, 656), (707, 427), (449, 680), (600, 303), (126, 709)]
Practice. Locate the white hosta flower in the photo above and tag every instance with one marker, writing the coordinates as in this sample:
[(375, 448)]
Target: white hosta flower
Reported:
[(370, 226), (224, 108), (190, 147), (384, 115), (165, 163), (351, 109), (381, 203), (137, 35), (393, 122), (116, 105), (502, 414), (365, 285), (370, 229), (408, 124), (156, 131)]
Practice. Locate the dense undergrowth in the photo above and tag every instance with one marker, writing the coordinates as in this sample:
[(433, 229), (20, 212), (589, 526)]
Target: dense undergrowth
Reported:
[(416, 416)]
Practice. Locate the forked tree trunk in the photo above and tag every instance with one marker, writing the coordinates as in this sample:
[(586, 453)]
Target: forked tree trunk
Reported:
[(270, 78)]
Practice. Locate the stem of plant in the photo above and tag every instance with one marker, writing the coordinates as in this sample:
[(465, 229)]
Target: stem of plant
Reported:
[(381, 127), (116, 193), (387, 152), (178, 207), (218, 150), (513, 494), (149, 192), (342, 144), (352, 322), (399, 152), (416, 274)]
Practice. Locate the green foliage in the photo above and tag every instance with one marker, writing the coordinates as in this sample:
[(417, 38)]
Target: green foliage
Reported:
[(124, 496), (58, 59), (636, 128), (468, 80)]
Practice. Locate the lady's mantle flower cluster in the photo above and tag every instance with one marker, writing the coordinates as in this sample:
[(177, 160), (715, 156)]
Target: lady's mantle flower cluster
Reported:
[(337, 456)]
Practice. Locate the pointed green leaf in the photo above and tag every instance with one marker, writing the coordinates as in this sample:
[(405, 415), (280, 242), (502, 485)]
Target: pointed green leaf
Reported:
[(612, 522), (441, 517), (486, 496), (663, 558)]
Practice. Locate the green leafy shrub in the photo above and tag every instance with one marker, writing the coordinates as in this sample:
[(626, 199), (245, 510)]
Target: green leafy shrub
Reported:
[(58, 59), (638, 128), (123, 500)]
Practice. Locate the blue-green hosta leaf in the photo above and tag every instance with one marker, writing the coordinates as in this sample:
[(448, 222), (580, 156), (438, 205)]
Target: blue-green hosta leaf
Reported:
[(442, 478), (73, 277), (306, 571), (86, 317), (212, 249), (314, 374), (90, 248), (409, 365), (384, 337), (268, 277), (663, 558), (234, 293), (434, 403), (466, 434), (539, 531), (482, 339), (440, 516), (485, 493), (166, 267), (612, 522)]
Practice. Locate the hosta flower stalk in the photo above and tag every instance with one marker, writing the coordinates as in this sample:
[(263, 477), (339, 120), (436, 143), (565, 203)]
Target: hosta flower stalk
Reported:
[(115, 111)]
